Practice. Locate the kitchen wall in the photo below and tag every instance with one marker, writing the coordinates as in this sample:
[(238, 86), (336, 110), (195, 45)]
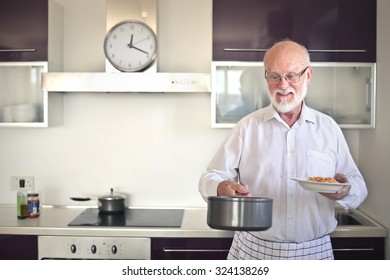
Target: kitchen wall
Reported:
[(154, 147)]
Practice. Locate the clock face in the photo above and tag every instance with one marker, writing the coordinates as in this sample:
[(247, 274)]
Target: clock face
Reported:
[(130, 46)]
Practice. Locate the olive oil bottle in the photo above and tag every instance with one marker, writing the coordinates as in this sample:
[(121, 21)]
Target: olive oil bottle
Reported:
[(21, 201)]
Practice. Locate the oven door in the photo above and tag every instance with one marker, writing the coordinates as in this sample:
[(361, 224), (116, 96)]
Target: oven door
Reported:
[(93, 248)]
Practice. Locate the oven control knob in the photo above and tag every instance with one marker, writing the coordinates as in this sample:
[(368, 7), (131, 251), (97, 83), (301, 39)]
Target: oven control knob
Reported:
[(93, 249), (114, 249), (73, 248)]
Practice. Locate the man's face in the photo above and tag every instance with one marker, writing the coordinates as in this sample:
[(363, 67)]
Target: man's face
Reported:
[(287, 86)]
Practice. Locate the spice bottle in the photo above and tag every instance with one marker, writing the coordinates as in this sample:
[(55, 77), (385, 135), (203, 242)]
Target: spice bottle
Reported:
[(21, 201), (33, 205)]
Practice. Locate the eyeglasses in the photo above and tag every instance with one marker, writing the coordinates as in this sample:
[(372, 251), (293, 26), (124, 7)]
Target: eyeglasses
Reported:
[(274, 78)]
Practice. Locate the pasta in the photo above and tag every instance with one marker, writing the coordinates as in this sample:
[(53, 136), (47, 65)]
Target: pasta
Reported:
[(323, 179)]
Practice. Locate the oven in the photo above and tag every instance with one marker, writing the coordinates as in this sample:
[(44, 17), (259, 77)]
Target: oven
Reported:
[(93, 248), (108, 247)]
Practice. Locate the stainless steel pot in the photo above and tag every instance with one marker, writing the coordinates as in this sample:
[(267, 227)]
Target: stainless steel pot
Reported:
[(112, 203), (239, 213)]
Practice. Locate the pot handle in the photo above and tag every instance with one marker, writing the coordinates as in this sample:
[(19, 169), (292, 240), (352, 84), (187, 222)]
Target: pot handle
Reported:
[(80, 198)]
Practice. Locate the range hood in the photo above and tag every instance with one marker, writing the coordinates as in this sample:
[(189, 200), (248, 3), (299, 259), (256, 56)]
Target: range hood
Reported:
[(113, 80), (126, 82)]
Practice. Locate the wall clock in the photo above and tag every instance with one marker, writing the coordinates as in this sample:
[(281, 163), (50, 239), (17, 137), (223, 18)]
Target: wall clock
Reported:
[(130, 46)]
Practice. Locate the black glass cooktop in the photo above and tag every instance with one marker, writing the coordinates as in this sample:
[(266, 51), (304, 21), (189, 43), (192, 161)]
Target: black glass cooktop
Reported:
[(130, 218)]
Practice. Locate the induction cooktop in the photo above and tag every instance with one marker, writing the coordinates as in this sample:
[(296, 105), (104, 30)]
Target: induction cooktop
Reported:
[(130, 218)]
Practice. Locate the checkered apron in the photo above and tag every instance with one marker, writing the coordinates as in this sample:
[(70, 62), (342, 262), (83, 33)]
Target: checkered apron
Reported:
[(246, 246)]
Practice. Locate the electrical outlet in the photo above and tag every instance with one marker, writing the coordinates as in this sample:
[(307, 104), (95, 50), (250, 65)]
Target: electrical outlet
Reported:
[(29, 182)]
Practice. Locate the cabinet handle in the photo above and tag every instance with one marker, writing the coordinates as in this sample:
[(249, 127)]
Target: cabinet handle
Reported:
[(368, 95), (353, 250), (194, 250), (309, 50), (18, 50)]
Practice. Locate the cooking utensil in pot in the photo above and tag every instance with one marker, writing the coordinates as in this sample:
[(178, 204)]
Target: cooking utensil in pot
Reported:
[(112, 203), (239, 213), (238, 175)]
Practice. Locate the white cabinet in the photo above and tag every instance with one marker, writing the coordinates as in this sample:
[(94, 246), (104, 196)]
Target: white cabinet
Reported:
[(22, 101), (345, 91)]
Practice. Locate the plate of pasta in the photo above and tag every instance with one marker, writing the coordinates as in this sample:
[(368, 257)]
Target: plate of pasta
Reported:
[(320, 184)]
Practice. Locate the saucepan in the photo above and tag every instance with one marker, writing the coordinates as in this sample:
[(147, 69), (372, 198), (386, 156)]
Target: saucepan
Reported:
[(108, 204), (111, 203), (240, 213)]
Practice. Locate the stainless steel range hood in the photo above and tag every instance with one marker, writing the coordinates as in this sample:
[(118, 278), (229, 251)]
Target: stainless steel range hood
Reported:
[(114, 81), (126, 82)]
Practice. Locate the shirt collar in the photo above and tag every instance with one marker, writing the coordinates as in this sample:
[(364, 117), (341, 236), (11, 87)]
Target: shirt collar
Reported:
[(306, 114)]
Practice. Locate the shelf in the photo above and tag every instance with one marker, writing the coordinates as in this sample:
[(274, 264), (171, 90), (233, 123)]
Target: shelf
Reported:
[(126, 82)]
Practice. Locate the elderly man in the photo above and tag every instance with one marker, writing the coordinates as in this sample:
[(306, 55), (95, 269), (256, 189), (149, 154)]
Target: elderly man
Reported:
[(286, 139)]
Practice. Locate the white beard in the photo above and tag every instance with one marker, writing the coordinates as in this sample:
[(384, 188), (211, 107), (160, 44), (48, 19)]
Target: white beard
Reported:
[(284, 106)]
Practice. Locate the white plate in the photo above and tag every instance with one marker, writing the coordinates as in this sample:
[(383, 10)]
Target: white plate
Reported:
[(320, 186)]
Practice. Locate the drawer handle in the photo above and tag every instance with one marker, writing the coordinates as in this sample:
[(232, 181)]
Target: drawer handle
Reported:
[(352, 250), (18, 50), (310, 50), (194, 250)]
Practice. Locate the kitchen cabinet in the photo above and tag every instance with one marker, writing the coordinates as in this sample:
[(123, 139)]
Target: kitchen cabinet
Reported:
[(29, 47), (344, 248), (25, 247), (24, 30), (22, 102), (344, 91), (333, 30), (190, 248), (18, 247), (359, 248)]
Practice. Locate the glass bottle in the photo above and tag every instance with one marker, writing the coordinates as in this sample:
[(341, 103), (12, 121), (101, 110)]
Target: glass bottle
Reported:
[(22, 204)]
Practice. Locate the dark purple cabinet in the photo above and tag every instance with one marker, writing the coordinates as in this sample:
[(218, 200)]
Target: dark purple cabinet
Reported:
[(190, 248), (355, 248), (332, 30), (24, 30), (348, 248), (18, 247)]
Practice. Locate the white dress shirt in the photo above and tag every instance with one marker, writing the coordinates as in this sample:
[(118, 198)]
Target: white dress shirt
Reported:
[(268, 151)]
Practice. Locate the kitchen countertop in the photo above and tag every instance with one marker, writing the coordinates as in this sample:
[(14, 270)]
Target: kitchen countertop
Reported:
[(54, 221)]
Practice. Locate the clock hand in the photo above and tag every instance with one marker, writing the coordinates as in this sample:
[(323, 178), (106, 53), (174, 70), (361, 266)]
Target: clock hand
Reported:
[(131, 40), (138, 49), (131, 45), (141, 40)]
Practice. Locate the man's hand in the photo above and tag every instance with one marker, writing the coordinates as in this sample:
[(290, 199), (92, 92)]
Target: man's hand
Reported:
[(230, 188), (343, 192)]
